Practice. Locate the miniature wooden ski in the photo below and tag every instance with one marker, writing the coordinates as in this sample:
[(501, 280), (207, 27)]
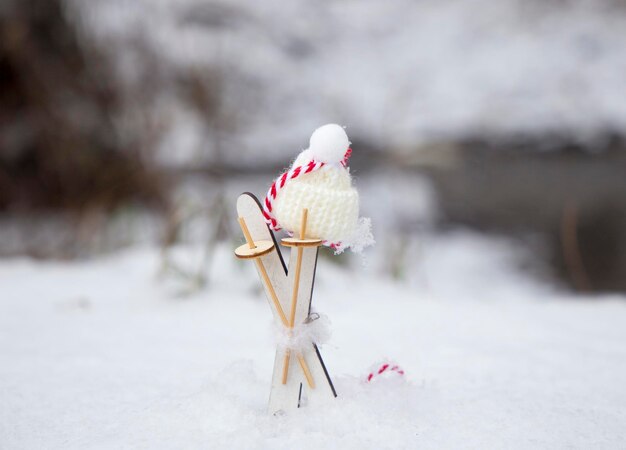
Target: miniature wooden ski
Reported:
[(299, 376)]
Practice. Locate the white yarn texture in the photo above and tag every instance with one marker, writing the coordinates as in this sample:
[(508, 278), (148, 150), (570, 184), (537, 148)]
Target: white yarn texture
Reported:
[(303, 336), (332, 203)]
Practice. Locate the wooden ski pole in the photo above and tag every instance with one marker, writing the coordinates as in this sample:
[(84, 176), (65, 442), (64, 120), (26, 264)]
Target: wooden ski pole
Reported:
[(256, 253), (266, 278), (294, 302)]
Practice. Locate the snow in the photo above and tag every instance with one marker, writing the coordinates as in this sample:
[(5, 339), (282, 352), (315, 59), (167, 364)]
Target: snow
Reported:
[(101, 354)]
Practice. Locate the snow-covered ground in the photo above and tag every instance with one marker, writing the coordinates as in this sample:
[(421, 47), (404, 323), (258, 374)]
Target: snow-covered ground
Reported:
[(101, 354)]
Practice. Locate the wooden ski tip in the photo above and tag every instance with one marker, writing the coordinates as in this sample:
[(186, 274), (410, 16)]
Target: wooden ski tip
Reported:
[(295, 242), (261, 248)]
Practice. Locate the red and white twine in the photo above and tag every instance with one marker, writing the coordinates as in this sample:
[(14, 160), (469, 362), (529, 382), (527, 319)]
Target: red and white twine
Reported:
[(280, 182), (386, 367)]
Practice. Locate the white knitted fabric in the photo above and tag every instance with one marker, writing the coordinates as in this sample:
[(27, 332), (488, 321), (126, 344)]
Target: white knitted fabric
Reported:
[(331, 200)]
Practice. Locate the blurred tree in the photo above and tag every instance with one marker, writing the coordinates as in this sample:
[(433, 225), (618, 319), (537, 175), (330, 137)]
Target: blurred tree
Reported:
[(59, 147)]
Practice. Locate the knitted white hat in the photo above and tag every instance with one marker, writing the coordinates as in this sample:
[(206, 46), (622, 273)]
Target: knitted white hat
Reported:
[(320, 181)]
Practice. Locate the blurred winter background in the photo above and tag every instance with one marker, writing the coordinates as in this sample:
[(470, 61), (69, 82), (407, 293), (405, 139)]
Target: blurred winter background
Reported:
[(489, 144)]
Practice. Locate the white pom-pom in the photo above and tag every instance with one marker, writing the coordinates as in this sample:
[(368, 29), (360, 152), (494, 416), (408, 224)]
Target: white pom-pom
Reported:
[(329, 144)]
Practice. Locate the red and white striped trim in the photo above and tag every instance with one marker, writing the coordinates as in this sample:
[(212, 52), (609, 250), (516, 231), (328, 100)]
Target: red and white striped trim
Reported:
[(280, 182), (386, 367)]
